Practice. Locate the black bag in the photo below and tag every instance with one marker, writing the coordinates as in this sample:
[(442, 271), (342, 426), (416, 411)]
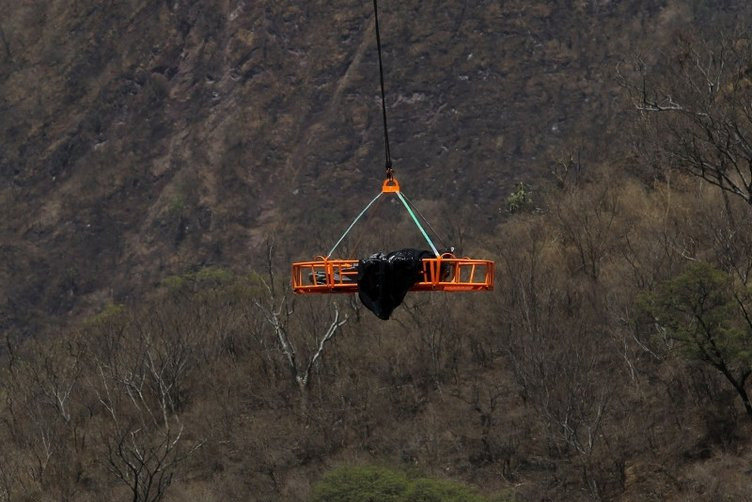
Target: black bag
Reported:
[(384, 279)]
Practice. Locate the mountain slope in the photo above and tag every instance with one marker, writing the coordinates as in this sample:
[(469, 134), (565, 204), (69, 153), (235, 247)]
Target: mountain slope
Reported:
[(141, 138)]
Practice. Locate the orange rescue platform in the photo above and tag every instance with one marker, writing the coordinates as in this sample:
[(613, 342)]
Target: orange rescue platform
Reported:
[(445, 273)]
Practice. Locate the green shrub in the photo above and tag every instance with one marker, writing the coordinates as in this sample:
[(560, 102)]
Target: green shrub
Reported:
[(520, 200), (211, 276), (361, 484), (112, 312), (440, 490), (377, 484)]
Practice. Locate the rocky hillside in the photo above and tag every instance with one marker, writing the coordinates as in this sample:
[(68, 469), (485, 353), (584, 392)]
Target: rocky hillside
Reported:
[(143, 138), (162, 162)]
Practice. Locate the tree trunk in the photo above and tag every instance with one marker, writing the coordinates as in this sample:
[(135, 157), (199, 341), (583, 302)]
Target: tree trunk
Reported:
[(739, 386), (745, 398), (303, 387)]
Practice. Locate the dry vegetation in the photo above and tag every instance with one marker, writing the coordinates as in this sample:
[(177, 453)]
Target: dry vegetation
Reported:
[(611, 362), (147, 138), (554, 386)]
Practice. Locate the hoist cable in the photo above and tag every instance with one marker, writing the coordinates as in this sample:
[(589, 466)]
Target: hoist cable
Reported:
[(388, 158), (387, 153)]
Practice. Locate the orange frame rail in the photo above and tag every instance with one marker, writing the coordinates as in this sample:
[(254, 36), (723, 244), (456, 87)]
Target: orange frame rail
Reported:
[(445, 273)]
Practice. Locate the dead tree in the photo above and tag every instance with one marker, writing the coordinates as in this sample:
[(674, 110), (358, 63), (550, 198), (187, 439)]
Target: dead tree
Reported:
[(300, 370), (697, 104), (135, 381), (42, 393), (278, 312)]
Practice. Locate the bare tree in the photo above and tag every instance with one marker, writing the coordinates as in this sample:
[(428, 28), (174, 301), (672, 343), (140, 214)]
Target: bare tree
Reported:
[(484, 400), (697, 101), (6, 45), (279, 312), (553, 338), (135, 380), (42, 403), (589, 223), (299, 370)]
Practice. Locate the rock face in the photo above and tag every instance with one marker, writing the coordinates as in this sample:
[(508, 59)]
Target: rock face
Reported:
[(141, 138)]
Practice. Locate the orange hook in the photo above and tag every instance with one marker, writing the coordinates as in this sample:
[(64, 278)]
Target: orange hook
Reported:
[(390, 186)]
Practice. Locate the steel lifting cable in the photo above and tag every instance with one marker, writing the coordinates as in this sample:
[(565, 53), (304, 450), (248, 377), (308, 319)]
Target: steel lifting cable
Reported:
[(388, 157), (387, 152)]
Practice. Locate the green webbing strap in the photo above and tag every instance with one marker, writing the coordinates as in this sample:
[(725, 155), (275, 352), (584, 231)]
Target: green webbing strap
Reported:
[(353, 224), (428, 223), (420, 227)]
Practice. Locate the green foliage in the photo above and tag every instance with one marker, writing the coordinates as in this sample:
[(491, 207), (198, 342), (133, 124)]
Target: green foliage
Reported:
[(215, 275), (440, 490), (214, 286), (208, 276), (377, 484), (109, 314), (174, 282), (703, 311), (177, 204), (362, 483), (519, 200)]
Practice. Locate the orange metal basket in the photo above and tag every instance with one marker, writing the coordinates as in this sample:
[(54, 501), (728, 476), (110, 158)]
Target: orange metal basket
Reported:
[(445, 273)]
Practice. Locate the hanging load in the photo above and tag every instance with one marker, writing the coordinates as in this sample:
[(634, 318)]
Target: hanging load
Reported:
[(383, 279)]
